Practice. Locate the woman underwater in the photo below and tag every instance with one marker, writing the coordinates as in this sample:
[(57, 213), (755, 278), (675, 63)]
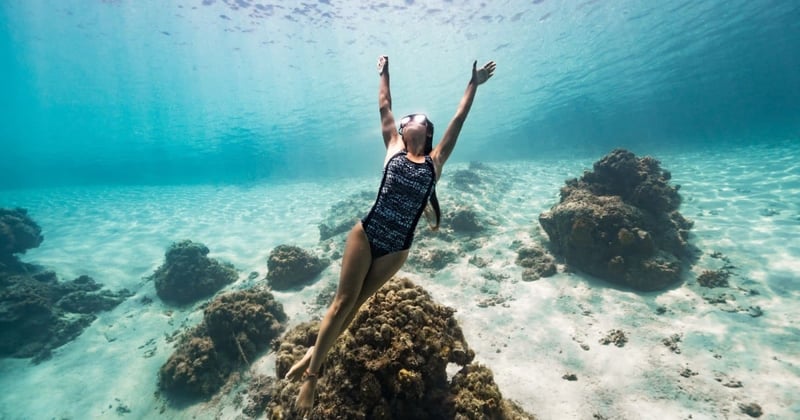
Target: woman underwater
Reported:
[(378, 245)]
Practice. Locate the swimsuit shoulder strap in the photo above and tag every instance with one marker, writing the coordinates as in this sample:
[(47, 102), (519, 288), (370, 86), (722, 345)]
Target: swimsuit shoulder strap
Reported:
[(400, 153)]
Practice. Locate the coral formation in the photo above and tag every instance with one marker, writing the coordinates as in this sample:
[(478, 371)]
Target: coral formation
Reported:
[(290, 266), (431, 259), (236, 327), (259, 391), (344, 214), (18, 233), (621, 223), (476, 396), (294, 344), (465, 179), (751, 409), (391, 363), (464, 220), (713, 278), (39, 313), (617, 337), (188, 274), (474, 178), (195, 369), (672, 342), (244, 322), (537, 263)]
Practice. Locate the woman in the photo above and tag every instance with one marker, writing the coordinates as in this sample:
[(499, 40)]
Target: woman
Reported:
[(378, 245)]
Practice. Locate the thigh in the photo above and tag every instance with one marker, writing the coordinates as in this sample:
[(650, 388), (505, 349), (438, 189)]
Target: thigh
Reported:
[(381, 270), (356, 263)]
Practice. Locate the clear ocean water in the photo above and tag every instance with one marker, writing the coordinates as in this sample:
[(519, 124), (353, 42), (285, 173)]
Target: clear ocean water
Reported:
[(238, 91), (127, 125)]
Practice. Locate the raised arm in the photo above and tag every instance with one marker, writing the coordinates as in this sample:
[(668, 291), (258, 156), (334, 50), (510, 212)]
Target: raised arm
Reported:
[(390, 136), (441, 153)]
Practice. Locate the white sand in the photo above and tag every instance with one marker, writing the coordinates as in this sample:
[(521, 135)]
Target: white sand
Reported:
[(745, 203)]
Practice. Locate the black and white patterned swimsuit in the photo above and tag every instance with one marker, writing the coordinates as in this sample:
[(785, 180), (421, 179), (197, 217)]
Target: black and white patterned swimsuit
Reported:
[(404, 192)]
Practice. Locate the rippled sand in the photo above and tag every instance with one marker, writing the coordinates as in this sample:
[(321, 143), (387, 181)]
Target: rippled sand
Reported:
[(745, 203)]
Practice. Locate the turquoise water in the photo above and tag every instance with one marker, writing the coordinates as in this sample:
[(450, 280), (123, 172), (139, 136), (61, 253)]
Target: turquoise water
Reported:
[(209, 91), (128, 125)]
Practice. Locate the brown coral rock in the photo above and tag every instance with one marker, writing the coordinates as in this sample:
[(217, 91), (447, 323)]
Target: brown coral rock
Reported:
[(620, 222), (713, 278), (18, 232), (39, 313), (291, 266), (188, 274), (476, 396), (751, 409), (193, 370), (244, 322), (465, 220), (236, 326), (537, 263), (431, 260), (617, 337), (391, 364), (293, 345), (340, 216)]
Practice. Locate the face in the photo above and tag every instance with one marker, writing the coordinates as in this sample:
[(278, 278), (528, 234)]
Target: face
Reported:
[(413, 120), (414, 126)]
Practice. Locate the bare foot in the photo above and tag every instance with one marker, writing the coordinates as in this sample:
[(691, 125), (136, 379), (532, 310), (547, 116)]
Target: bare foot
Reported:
[(305, 398), (296, 371)]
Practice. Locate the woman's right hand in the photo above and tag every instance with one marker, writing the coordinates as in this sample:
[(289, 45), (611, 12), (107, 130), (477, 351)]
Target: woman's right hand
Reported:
[(383, 64)]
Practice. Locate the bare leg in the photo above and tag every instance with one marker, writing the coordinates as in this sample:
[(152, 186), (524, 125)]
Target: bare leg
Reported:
[(360, 278), (355, 265), (380, 272), (297, 370)]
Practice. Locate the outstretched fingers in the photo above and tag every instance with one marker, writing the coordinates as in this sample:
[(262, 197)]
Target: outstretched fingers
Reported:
[(489, 67), (480, 76)]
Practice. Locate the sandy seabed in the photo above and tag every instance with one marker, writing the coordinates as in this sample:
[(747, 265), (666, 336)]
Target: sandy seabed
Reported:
[(686, 355)]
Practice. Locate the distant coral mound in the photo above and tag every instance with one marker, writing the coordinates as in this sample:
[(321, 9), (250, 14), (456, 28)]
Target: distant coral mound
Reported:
[(465, 220), (621, 223), (342, 215), (391, 363), (39, 313), (187, 274), (236, 327), (18, 232), (430, 259), (291, 266), (536, 263)]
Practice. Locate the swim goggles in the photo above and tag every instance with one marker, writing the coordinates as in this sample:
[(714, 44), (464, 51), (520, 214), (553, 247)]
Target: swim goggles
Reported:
[(417, 118)]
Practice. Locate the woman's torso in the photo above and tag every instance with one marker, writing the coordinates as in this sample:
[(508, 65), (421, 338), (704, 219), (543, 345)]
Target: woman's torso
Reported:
[(403, 194)]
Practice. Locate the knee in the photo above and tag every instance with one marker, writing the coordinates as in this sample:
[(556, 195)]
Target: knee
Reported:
[(342, 305)]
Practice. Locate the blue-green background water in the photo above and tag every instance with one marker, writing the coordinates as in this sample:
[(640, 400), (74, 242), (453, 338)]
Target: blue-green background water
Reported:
[(130, 124), (231, 91)]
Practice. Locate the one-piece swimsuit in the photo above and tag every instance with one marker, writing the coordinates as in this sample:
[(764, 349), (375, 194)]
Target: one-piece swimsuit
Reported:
[(402, 197)]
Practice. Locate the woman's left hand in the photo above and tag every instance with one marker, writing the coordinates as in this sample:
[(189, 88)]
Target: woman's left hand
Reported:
[(480, 76)]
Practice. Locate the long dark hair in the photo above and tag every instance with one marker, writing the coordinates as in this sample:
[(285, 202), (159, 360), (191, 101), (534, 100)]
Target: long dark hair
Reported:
[(433, 201)]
